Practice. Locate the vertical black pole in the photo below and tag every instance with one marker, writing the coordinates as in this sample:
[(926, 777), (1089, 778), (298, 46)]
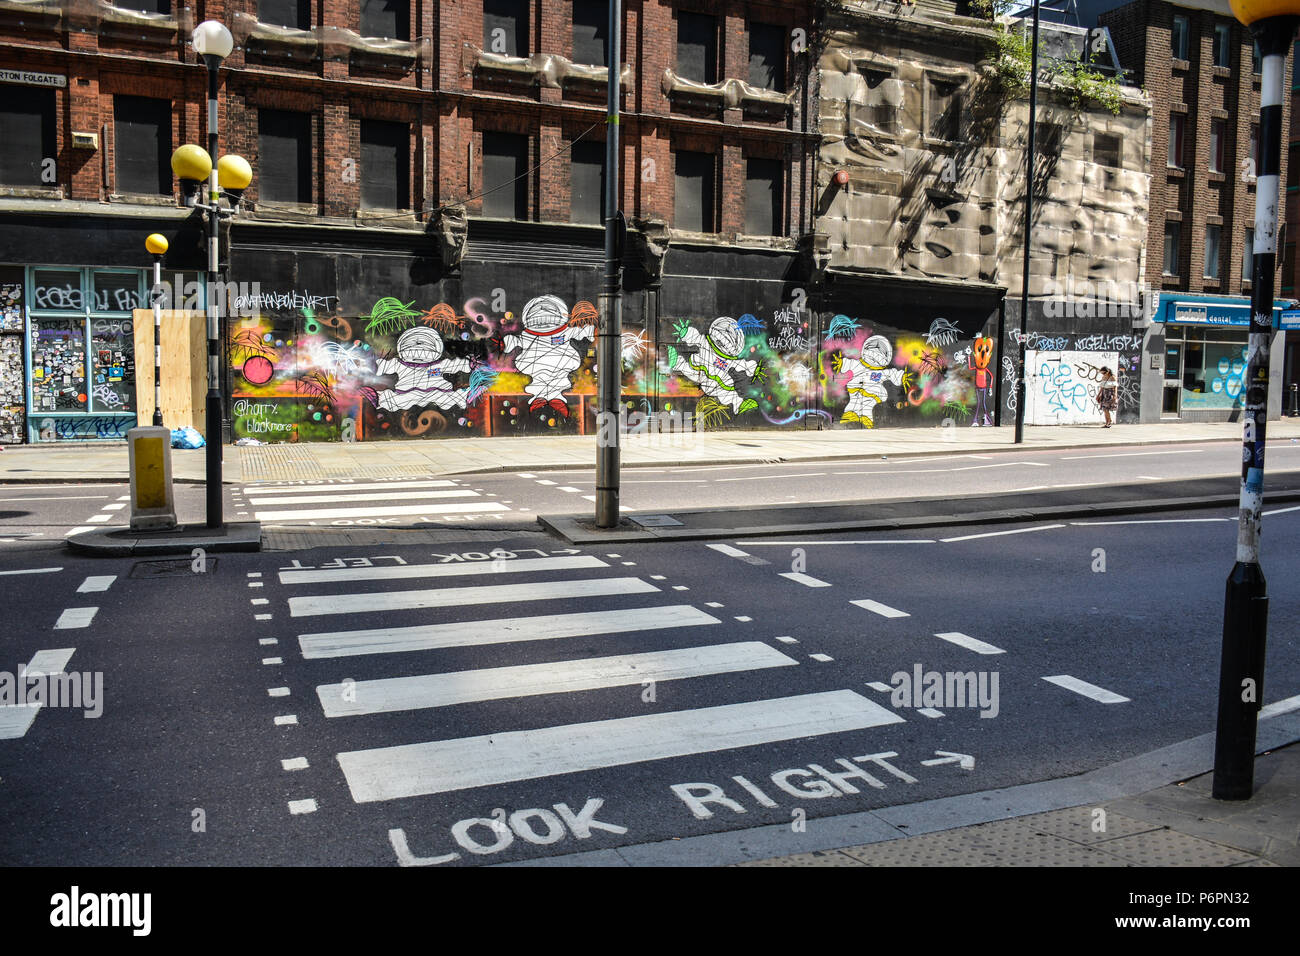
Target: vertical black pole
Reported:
[(610, 340), (213, 405), (1245, 608), (997, 371), (156, 297), (1029, 218)]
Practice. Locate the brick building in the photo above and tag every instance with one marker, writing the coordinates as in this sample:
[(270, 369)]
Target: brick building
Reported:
[(1200, 67), (428, 168)]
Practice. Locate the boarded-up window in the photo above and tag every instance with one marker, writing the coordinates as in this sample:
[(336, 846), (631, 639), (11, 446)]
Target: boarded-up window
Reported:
[(767, 56), (591, 32), (505, 27), (880, 110), (697, 46), (386, 18), (505, 176), (587, 182), (693, 191), (142, 144), (763, 195), (385, 165), (27, 118), (285, 13), (944, 110), (1106, 150), (284, 156)]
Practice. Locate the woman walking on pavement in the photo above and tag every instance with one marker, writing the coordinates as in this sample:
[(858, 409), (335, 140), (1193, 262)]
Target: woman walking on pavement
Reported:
[(1108, 395)]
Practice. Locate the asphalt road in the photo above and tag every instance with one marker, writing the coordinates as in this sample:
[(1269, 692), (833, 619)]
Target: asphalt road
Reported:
[(314, 708)]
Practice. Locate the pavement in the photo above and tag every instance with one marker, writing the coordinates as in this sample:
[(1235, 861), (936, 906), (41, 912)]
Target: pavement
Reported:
[(107, 461)]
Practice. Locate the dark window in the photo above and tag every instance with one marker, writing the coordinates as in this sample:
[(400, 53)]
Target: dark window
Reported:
[(1177, 125), (1255, 61), (1222, 40), (27, 118), (1248, 257), (763, 196), (944, 110), (1218, 135), (505, 176), (1288, 268), (693, 192), (587, 182), (697, 47), (284, 156), (591, 32), (385, 165), (285, 13), (142, 144), (385, 18), (1178, 37), (1106, 150), (880, 112), (767, 56), (1212, 235), (505, 27), (1047, 139), (1173, 231)]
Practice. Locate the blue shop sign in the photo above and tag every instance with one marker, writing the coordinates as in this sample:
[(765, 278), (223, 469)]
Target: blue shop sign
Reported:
[(1192, 312), (1290, 320)]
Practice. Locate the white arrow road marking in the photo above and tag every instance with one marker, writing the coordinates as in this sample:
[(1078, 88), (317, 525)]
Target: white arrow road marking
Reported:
[(965, 761)]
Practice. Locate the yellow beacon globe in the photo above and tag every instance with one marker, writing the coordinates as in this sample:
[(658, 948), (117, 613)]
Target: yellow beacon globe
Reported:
[(191, 162), (1248, 11), (156, 244), (233, 172)]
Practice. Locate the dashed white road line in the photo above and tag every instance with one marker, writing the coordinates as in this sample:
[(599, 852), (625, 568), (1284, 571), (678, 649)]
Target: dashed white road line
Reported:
[(929, 712), (780, 544), (1133, 454), (93, 583), (294, 763), (1278, 511), (968, 642), (286, 720), (884, 610), (728, 550), (880, 686), (75, 617), (1089, 524), (806, 580), (32, 571), (302, 806), (997, 534), (1091, 691), (98, 519)]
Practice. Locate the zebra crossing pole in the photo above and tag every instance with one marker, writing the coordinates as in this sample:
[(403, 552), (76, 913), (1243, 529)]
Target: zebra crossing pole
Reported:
[(157, 244), (608, 359), (1245, 613)]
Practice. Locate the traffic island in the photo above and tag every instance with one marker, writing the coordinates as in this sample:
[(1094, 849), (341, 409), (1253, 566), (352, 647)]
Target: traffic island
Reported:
[(183, 539)]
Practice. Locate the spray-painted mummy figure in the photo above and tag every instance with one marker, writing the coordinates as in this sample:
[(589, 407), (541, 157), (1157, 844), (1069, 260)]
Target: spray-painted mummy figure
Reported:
[(548, 354), (423, 375), (715, 360), (868, 375)]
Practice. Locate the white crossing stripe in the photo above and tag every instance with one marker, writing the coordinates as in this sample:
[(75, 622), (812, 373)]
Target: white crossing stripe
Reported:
[(968, 642), (410, 770), (302, 806), (506, 566), (804, 579), (457, 597), (884, 610), (96, 583), (294, 763), (530, 680), (1087, 690), (98, 519), (75, 617), (424, 637), (358, 486), (117, 507), (84, 527), (479, 506), (357, 499), (16, 719), (33, 570), (729, 551)]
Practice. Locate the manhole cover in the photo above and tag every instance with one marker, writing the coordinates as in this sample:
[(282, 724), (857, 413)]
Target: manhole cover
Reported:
[(655, 521), (170, 568)]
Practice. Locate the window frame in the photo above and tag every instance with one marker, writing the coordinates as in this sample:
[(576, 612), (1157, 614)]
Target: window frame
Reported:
[(49, 135), (777, 198), (403, 181), (523, 34), (709, 211), (162, 160), (602, 23), (1218, 145), (1180, 119), (523, 187), (1180, 28), (305, 160), (751, 28), (402, 21), (1221, 46), (1217, 259), (1174, 231)]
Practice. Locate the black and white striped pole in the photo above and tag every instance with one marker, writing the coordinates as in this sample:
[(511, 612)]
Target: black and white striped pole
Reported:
[(157, 245), (1245, 611)]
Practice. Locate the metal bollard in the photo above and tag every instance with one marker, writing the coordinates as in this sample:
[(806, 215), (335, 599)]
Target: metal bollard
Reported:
[(153, 504), (1295, 401)]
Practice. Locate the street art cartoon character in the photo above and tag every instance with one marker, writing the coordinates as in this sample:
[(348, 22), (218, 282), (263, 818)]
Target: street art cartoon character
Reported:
[(715, 361), (422, 375), (548, 353), (977, 361), (867, 377)]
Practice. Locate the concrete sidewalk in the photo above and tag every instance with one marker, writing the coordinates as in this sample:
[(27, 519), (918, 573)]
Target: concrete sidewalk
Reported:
[(408, 459)]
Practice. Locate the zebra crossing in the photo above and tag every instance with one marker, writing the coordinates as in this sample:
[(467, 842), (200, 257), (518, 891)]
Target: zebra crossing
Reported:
[(492, 601), (345, 502)]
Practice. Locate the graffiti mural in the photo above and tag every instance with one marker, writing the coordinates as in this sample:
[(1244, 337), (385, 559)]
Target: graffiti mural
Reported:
[(1061, 387)]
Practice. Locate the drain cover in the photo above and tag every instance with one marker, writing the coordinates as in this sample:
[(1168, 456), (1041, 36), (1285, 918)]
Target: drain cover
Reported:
[(654, 521), (171, 568)]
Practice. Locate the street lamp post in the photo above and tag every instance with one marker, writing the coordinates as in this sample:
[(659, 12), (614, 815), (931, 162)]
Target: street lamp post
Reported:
[(157, 245), (1245, 611), (608, 358)]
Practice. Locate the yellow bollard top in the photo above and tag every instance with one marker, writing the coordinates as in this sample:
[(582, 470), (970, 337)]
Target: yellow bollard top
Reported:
[(157, 244), (1248, 11)]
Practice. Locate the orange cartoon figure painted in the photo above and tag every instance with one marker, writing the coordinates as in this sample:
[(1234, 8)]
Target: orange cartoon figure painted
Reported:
[(981, 355)]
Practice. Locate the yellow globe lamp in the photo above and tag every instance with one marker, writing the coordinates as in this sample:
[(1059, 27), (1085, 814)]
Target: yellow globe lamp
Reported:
[(234, 174), (157, 244), (192, 166), (1249, 11)]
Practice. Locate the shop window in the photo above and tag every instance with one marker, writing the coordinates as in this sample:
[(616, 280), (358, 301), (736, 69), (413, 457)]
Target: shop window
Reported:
[(505, 176), (284, 157), (1218, 133), (1106, 150), (1212, 234), (1178, 37), (389, 19), (767, 56), (763, 195), (285, 13), (1173, 235), (1222, 40), (385, 165), (587, 182), (1248, 257), (591, 32), (694, 197), (142, 144), (943, 110), (29, 143), (505, 27), (1177, 127), (697, 46)]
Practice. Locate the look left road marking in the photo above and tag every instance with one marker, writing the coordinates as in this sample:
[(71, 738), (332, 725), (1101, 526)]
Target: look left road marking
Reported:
[(75, 617)]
